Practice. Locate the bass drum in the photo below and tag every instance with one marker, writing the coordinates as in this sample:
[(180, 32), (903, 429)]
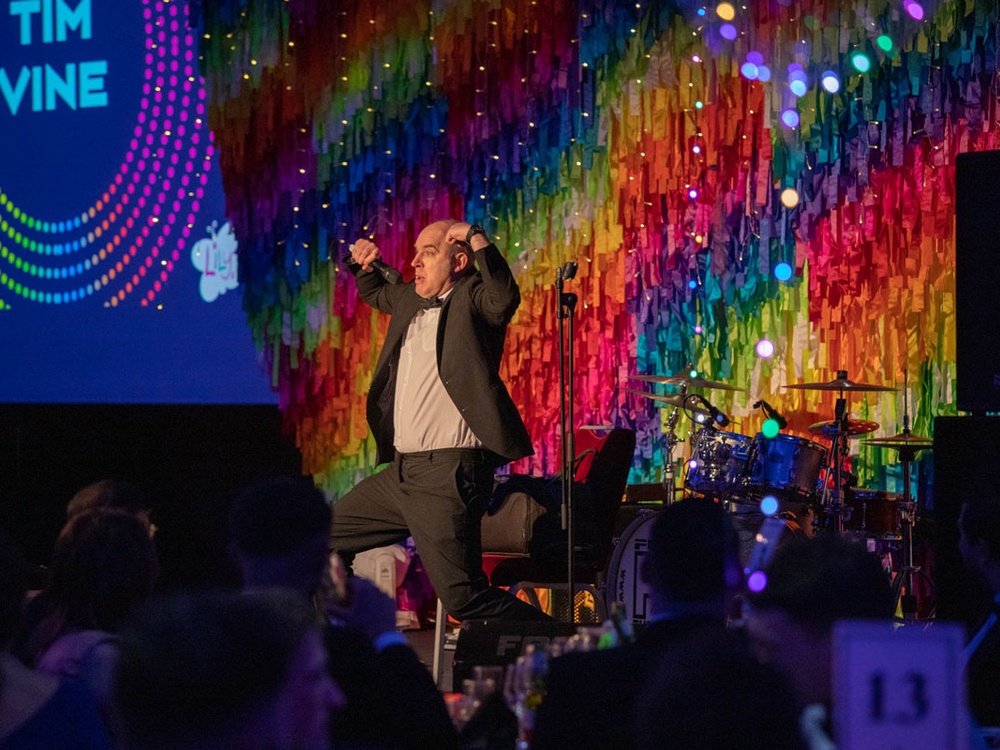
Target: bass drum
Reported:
[(624, 584)]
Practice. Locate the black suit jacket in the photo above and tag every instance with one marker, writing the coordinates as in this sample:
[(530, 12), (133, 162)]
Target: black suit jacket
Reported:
[(392, 701), (589, 696), (470, 342)]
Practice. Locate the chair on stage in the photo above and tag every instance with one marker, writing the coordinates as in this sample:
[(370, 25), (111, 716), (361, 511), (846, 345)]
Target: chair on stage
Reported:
[(524, 547)]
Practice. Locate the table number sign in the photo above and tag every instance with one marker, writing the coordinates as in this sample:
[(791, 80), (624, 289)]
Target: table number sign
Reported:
[(899, 687)]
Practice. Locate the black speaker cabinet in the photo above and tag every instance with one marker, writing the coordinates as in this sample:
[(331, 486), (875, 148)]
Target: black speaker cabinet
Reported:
[(977, 272), (494, 642), (966, 469)]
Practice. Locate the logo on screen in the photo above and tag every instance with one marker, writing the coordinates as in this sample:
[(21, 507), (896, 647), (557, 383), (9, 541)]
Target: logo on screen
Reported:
[(216, 258)]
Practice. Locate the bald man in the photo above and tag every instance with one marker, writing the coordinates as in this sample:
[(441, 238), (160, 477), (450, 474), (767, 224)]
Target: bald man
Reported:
[(440, 414)]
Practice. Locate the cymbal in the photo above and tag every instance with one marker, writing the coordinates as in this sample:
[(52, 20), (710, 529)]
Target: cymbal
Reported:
[(673, 400), (855, 427), (687, 381), (902, 441), (840, 384)]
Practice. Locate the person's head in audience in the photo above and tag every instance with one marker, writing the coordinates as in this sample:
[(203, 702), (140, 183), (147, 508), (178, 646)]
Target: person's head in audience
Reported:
[(280, 534), (810, 585), (103, 566), (979, 539), (109, 494), (225, 670), (711, 694), (692, 563)]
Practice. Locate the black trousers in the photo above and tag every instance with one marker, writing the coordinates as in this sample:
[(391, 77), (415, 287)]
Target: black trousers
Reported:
[(439, 498)]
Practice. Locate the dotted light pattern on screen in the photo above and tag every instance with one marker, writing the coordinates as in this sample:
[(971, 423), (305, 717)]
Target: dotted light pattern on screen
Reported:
[(129, 239)]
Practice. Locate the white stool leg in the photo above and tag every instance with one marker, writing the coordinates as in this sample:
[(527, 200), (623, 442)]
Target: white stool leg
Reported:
[(440, 634)]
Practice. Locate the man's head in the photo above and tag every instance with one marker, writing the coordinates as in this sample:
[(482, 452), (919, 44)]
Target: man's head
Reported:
[(693, 555), (437, 263), (104, 564), (812, 583), (109, 493), (225, 670), (280, 531)]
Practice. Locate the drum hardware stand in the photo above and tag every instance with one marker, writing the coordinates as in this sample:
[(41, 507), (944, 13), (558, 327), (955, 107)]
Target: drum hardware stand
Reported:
[(902, 586), (838, 451), (904, 579), (567, 309), (670, 438)]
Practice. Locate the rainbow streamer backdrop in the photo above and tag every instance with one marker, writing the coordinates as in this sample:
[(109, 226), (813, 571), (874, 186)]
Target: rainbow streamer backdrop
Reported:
[(577, 130)]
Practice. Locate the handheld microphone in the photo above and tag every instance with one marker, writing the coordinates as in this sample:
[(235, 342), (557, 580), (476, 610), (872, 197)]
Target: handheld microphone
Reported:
[(387, 272), (718, 418), (772, 413)]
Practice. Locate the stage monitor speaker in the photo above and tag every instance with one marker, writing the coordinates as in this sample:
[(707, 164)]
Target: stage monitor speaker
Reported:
[(966, 469), (977, 268), (494, 642)]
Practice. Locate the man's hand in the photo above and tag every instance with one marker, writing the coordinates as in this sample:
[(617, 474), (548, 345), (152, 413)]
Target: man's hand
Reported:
[(365, 607), (458, 232), (364, 252)]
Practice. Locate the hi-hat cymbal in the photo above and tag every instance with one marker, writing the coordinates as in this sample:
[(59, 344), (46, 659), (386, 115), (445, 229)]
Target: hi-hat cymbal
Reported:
[(686, 380), (840, 384), (673, 400), (855, 428), (902, 441)]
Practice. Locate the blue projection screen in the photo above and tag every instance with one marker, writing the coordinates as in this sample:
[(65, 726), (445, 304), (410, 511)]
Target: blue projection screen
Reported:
[(118, 269)]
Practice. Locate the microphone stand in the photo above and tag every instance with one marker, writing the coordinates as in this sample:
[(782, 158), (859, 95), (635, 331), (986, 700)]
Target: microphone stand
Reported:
[(566, 310)]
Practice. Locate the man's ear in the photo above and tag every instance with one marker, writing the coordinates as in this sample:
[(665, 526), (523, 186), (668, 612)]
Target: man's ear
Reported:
[(460, 261)]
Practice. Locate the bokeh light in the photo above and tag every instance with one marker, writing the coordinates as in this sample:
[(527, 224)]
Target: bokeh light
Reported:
[(770, 429), (757, 581), (861, 62), (769, 505), (765, 348), (727, 31), (884, 43), (783, 271), (725, 11), (749, 71), (763, 73), (830, 81), (790, 118), (755, 57), (790, 196), (915, 9)]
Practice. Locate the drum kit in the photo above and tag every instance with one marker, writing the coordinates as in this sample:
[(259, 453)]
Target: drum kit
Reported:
[(809, 481)]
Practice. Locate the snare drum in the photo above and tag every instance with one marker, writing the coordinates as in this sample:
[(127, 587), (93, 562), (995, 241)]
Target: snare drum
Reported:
[(624, 584), (717, 462), (874, 513), (786, 466)]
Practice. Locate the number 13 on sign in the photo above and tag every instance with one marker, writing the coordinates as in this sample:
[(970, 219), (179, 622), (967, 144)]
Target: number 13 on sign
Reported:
[(899, 688)]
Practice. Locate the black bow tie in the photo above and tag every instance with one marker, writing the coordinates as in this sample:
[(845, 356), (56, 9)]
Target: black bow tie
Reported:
[(426, 303)]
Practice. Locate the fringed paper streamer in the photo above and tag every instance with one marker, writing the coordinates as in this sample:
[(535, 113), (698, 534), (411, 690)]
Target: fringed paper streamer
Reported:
[(623, 136)]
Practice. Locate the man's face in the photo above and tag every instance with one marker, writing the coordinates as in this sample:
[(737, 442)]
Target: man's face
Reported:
[(302, 709), (798, 651), (436, 263)]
